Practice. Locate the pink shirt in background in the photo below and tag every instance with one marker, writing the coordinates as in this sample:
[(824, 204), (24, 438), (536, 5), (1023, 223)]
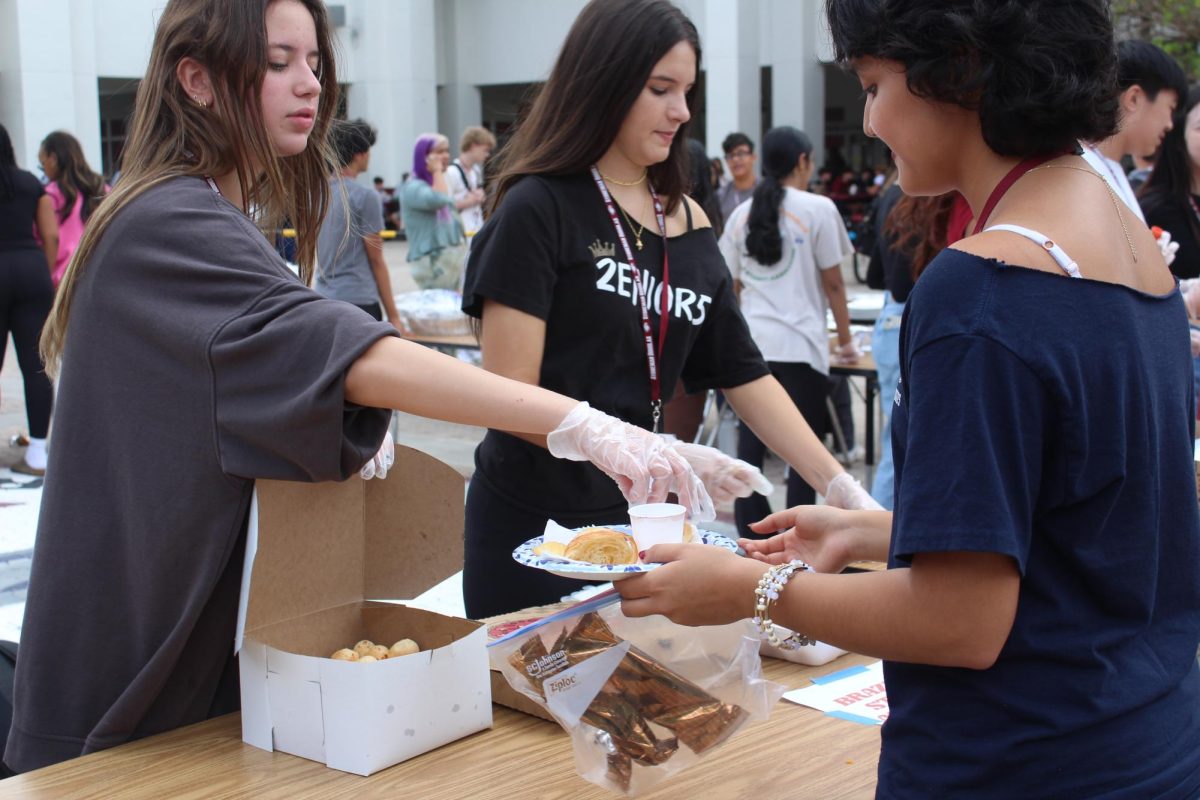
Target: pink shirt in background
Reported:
[(70, 230)]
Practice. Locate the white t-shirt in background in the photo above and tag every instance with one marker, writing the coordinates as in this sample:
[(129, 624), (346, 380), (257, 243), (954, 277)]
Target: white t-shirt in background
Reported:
[(1114, 175), (784, 303), (472, 218)]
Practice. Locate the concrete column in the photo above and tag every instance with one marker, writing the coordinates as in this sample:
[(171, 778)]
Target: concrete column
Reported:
[(389, 50), (85, 77), (460, 102), (47, 75), (460, 105), (733, 85), (797, 77)]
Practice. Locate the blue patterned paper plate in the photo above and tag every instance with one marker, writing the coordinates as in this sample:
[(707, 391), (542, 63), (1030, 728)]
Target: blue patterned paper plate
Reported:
[(583, 571)]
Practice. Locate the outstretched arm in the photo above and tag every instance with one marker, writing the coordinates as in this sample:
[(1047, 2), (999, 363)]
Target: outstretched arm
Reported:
[(409, 377), (948, 609), (766, 408)]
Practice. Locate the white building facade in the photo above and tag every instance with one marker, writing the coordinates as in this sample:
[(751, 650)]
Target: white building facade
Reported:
[(411, 66)]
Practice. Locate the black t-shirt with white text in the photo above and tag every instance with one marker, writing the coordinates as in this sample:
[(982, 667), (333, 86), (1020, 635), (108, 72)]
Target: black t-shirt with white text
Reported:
[(551, 251)]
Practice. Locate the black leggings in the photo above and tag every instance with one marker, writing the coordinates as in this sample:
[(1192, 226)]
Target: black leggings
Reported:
[(492, 582), (26, 295), (807, 388)]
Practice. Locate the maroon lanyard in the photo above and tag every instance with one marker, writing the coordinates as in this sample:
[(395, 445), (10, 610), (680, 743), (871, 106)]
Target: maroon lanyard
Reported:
[(653, 358), (1006, 183)]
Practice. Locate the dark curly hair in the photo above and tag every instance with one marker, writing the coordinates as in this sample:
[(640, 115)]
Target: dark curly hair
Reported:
[(1041, 73)]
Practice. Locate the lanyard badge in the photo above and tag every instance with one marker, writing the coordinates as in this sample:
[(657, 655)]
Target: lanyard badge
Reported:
[(653, 355)]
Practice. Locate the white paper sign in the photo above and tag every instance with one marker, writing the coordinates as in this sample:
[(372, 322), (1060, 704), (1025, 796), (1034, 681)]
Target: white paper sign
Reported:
[(856, 694)]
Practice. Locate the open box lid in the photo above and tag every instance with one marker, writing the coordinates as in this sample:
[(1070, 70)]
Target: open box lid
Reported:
[(321, 545)]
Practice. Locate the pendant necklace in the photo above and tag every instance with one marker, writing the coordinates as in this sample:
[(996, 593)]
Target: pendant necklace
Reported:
[(637, 232)]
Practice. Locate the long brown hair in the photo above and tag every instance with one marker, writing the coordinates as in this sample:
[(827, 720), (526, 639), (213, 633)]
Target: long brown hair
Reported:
[(917, 227), (602, 68), (171, 136), (75, 177)]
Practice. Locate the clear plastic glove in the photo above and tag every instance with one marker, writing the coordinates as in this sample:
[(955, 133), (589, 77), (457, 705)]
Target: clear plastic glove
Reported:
[(726, 478), (644, 466), (1195, 343), (1190, 289), (1168, 247), (379, 465), (847, 353), (844, 491)]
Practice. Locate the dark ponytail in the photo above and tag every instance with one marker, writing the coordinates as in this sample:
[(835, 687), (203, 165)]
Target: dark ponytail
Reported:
[(781, 150)]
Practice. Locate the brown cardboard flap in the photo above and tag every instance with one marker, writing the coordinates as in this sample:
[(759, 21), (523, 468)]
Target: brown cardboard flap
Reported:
[(324, 545), (343, 626), (414, 527)]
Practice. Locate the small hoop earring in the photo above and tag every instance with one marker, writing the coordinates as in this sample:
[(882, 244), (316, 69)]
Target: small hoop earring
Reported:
[(199, 102)]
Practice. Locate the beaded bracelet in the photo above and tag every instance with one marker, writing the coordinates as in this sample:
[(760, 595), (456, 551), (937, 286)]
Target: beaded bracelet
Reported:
[(767, 591)]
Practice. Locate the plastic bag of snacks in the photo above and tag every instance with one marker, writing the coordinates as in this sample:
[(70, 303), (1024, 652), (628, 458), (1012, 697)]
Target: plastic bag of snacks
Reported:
[(642, 698)]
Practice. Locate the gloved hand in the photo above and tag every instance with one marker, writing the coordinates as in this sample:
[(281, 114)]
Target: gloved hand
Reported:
[(1168, 247), (381, 462), (724, 477), (643, 465), (1190, 289), (846, 353), (844, 491)]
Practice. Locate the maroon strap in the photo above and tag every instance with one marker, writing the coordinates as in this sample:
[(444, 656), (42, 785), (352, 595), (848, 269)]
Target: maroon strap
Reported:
[(653, 355), (1006, 183)]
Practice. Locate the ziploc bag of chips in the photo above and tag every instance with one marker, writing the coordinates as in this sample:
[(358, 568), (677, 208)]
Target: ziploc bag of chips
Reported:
[(642, 698)]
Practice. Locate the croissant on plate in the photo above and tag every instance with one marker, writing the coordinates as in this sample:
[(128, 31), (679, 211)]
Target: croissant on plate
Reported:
[(603, 546)]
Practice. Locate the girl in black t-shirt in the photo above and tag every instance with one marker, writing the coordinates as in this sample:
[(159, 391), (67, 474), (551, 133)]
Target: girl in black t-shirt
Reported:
[(26, 291), (589, 220)]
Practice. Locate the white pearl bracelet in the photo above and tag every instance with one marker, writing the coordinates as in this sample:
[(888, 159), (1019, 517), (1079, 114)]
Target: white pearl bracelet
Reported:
[(767, 591)]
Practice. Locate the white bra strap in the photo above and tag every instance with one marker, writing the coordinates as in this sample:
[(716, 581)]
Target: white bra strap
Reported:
[(1056, 252)]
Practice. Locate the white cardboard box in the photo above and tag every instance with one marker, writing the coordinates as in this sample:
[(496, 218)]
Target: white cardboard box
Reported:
[(319, 552)]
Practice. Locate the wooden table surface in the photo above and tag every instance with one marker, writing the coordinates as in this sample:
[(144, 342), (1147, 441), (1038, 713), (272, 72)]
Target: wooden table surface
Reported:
[(864, 366), (798, 753)]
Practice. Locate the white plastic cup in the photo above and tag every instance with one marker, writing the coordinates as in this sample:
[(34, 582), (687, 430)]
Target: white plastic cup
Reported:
[(657, 523)]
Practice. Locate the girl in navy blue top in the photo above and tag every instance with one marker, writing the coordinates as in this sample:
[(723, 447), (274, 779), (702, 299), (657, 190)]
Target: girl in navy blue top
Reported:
[(1040, 616)]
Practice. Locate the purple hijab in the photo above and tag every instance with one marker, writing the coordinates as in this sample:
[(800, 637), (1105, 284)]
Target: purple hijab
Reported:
[(425, 143)]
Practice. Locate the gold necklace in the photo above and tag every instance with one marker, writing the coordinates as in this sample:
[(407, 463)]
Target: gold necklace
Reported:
[(626, 183), (637, 232), (1117, 203)]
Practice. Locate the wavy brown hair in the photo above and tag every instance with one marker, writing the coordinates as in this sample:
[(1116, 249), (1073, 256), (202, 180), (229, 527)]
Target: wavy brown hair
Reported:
[(170, 136), (75, 177), (917, 227), (602, 68)]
